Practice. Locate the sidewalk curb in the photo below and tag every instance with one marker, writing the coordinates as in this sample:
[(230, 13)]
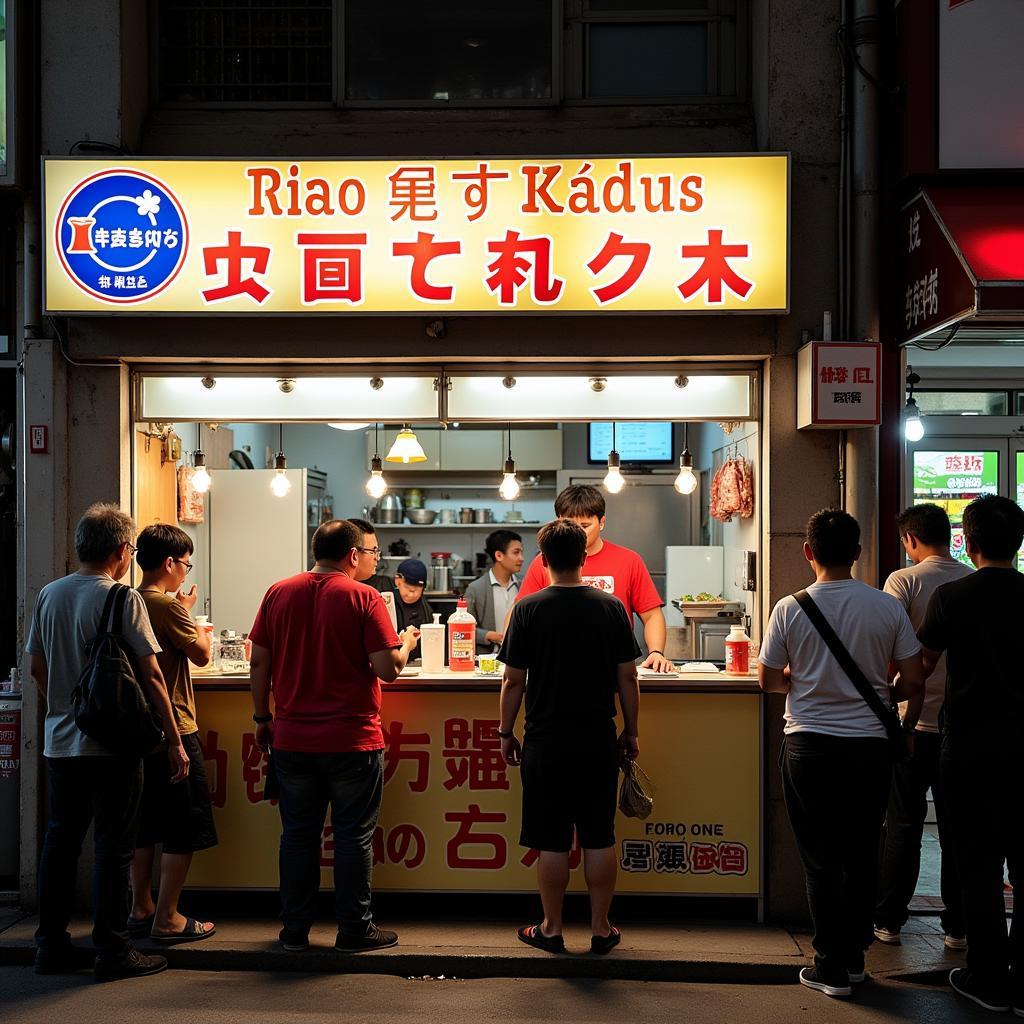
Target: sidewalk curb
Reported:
[(464, 964)]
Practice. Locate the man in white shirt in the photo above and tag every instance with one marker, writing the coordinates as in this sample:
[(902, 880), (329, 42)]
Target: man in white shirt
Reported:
[(836, 762), (490, 597), (925, 533)]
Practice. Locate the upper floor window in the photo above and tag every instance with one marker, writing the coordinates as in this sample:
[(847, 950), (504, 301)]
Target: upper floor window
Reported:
[(449, 53)]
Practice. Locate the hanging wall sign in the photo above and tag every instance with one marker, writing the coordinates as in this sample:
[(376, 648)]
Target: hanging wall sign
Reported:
[(839, 384), (622, 234)]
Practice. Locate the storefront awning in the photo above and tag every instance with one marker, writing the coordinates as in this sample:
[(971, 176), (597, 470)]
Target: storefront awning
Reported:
[(963, 260)]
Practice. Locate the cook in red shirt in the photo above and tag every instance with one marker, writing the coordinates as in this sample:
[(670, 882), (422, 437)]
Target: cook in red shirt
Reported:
[(609, 567)]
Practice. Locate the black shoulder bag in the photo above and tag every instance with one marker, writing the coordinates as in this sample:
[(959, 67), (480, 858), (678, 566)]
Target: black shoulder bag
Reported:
[(109, 704), (886, 714)]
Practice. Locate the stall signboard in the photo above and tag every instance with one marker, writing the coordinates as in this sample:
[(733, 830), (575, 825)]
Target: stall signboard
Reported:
[(451, 810), (612, 234), (839, 384)]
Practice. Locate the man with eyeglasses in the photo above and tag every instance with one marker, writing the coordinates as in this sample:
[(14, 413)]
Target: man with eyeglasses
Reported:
[(176, 815), (367, 559)]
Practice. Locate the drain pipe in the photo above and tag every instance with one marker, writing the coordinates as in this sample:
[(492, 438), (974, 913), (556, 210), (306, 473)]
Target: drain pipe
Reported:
[(862, 41)]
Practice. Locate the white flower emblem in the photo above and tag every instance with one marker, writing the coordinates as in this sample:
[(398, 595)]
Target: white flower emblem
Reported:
[(148, 203)]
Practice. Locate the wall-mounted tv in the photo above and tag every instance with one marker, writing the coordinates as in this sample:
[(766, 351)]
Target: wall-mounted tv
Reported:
[(649, 443)]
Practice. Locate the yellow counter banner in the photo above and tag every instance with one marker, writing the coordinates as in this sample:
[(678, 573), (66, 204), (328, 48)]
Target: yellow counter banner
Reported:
[(630, 234), (451, 809)]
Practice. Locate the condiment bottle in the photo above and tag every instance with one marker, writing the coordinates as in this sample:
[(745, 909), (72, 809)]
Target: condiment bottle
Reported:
[(461, 639), (432, 645), (737, 651)]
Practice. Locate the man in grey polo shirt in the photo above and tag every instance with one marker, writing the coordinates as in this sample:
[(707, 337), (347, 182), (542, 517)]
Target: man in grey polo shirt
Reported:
[(490, 597)]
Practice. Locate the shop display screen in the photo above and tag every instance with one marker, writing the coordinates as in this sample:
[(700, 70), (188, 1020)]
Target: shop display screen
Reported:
[(952, 479), (635, 442)]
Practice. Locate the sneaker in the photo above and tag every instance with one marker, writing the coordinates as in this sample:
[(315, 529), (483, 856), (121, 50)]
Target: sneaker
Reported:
[(855, 976), (63, 960), (988, 997), (293, 940), (810, 977), (890, 936), (957, 943), (375, 938), (132, 964)]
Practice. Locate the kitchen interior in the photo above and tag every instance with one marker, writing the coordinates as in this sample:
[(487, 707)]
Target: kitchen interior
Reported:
[(270, 484)]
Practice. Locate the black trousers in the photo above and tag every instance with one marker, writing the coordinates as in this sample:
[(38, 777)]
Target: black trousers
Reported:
[(103, 791), (900, 857), (983, 776), (836, 790)]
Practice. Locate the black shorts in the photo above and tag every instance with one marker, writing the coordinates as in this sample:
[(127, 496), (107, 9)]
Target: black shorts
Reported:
[(177, 816), (569, 784)]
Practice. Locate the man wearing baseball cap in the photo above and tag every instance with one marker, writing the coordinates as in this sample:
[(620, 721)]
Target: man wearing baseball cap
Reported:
[(412, 608)]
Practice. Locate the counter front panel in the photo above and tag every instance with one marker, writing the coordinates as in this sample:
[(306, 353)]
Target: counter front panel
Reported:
[(451, 810)]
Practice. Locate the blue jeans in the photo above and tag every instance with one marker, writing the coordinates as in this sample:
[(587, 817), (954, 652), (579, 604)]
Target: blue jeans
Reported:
[(351, 784)]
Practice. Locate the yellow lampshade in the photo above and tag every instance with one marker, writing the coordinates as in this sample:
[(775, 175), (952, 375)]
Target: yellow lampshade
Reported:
[(406, 448)]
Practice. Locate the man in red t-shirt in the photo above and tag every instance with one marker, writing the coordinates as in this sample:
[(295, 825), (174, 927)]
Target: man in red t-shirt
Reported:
[(322, 643), (610, 568)]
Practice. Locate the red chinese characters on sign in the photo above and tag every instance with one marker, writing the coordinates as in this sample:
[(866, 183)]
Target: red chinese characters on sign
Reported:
[(402, 844), (423, 252), (715, 270), (477, 192), (398, 748), (332, 267), (238, 259), (964, 463), (472, 754), (520, 261), (254, 769), (218, 778), (413, 193), (466, 839), (638, 253)]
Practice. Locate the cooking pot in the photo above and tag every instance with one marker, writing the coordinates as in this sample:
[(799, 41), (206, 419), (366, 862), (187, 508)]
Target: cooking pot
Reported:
[(390, 509)]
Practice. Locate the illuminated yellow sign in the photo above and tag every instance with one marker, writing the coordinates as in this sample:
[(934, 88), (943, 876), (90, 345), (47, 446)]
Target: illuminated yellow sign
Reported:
[(451, 810), (675, 234)]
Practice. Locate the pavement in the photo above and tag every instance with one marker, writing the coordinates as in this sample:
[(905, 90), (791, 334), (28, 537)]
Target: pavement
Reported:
[(715, 952)]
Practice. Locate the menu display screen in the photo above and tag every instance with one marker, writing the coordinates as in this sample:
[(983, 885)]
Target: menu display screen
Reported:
[(635, 442), (953, 479)]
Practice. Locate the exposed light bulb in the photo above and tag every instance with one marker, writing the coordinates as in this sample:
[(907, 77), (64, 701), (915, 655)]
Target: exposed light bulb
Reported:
[(376, 486), (686, 481), (614, 481), (509, 488), (280, 485), (201, 478), (913, 425)]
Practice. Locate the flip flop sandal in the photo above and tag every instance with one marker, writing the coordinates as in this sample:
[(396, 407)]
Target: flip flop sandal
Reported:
[(602, 944), (533, 936), (140, 927), (192, 932)]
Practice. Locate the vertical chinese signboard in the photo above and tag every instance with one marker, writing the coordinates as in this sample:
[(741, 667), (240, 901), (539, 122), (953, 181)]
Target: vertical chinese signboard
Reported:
[(634, 234), (451, 810)]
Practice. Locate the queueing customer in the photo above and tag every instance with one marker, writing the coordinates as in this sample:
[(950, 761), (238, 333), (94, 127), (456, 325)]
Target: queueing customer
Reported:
[(178, 816), (976, 622), (489, 597), (610, 567), (570, 757), (321, 643), (88, 784), (369, 552), (836, 758), (925, 533)]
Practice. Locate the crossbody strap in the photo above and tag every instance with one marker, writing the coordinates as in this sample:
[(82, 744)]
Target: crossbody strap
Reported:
[(845, 659), (117, 618), (106, 619)]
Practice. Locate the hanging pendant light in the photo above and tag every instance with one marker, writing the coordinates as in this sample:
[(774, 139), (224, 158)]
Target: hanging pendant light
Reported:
[(376, 485), (406, 448), (686, 481), (913, 425), (280, 485), (614, 481), (201, 478), (509, 489)]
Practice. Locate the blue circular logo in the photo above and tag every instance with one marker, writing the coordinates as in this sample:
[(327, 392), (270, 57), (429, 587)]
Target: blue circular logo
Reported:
[(122, 235)]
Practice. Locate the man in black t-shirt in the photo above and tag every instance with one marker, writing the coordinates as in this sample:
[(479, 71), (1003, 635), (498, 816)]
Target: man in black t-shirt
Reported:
[(977, 622), (570, 648)]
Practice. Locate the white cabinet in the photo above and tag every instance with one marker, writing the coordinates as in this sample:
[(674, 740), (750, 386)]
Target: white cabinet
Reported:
[(430, 441), (487, 449), (536, 449)]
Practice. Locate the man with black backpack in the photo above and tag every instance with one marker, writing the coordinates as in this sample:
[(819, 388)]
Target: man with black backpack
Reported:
[(828, 650), (93, 782)]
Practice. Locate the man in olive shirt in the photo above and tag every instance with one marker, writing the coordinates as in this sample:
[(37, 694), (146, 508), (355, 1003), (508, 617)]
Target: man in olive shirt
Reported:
[(179, 815)]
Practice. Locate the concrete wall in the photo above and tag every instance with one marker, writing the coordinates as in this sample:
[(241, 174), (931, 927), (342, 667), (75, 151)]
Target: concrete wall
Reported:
[(795, 77)]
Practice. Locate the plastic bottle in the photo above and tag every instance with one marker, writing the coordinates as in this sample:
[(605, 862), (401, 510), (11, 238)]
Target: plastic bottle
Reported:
[(737, 651), (432, 645), (461, 639), (203, 622)]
